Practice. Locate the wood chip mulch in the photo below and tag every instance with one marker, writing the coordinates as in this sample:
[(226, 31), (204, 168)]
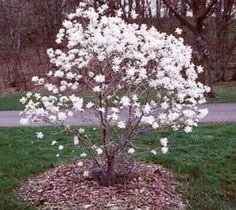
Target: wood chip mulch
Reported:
[(65, 188)]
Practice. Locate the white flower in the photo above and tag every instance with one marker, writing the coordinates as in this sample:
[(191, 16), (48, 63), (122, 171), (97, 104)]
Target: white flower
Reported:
[(96, 89), (125, 101), (154, 152), (131, 72), (148, 120), (203, 113), (164, 150), (188, 129), (53, 143), (86, 174), (99, 151), (83, 155), (147, 109), (37, 96), (24, 121), (90, 74), (39, 135), (200, 69), (119, 13), (178, 31), (134, 15), (55, 90), (81, 130), (101, 109), (89, 105), (78, 77), (134, 97), (35, 79), (67, 24), (63, 88), (61, 116), (80, 163), (188, 113), (74, 86), (77, 102), (155, 125), (164, 105), (114, 109), (114, 116), (50, 73), (23, 100), (87, 206), (49, 87), (61, 147), (131, 150), (99, 78), (70, 114), (29, 94), (57, 155), (208, 89), (121, 124), (76, 140), (59, 73), (94, 147), (41, 81), (164, 142), (70, 75), (52, 118)]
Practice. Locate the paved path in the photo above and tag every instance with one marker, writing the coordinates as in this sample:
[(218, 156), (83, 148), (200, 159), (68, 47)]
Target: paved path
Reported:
[(218, 113)]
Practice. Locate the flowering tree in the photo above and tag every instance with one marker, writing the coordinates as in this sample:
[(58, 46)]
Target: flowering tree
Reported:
[(138, 76)]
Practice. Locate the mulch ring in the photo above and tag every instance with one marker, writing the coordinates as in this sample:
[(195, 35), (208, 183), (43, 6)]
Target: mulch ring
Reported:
[(65, 187)]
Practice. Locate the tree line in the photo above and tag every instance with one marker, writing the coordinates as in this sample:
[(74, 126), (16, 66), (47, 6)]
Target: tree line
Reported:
[(29, 27)]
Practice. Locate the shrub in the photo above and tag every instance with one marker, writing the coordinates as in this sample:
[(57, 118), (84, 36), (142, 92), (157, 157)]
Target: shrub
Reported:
[(133, 71)]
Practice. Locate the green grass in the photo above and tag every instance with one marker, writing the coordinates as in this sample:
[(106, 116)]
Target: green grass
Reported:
[(11, 101), (203, 162), (225, 93)]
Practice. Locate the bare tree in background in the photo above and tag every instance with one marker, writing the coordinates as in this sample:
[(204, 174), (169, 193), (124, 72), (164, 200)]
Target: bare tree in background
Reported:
[(225, 35), (11, 20), (210, 24), (201, 11), (28, 28)]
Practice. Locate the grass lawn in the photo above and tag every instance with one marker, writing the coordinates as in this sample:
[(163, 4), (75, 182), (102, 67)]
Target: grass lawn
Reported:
[(203, 162), (10, 101), (225, 93)]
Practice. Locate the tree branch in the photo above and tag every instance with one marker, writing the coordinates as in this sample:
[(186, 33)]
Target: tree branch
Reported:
[(182, 19), (207, 11)]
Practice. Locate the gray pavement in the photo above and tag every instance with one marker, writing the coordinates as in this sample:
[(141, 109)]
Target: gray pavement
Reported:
[(218, 113)]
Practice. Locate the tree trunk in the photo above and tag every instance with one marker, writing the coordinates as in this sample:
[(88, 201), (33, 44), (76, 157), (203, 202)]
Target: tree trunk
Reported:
[(110, 173), (202, 56)]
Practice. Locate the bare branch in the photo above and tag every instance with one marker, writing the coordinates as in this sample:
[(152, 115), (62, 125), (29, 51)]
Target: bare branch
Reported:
[(180, 17)]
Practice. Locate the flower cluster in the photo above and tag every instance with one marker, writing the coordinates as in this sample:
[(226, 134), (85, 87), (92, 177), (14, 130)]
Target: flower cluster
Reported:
[(137, 76)]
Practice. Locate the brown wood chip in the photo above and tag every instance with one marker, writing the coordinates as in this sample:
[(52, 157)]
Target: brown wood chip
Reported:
[(65, 187)]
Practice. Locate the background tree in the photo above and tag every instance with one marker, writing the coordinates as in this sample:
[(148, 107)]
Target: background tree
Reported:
[(210, 25), (28, 27), (225, 35)]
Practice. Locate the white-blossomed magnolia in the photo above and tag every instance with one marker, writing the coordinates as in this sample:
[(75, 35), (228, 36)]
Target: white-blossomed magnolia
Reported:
[(138, 77)]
